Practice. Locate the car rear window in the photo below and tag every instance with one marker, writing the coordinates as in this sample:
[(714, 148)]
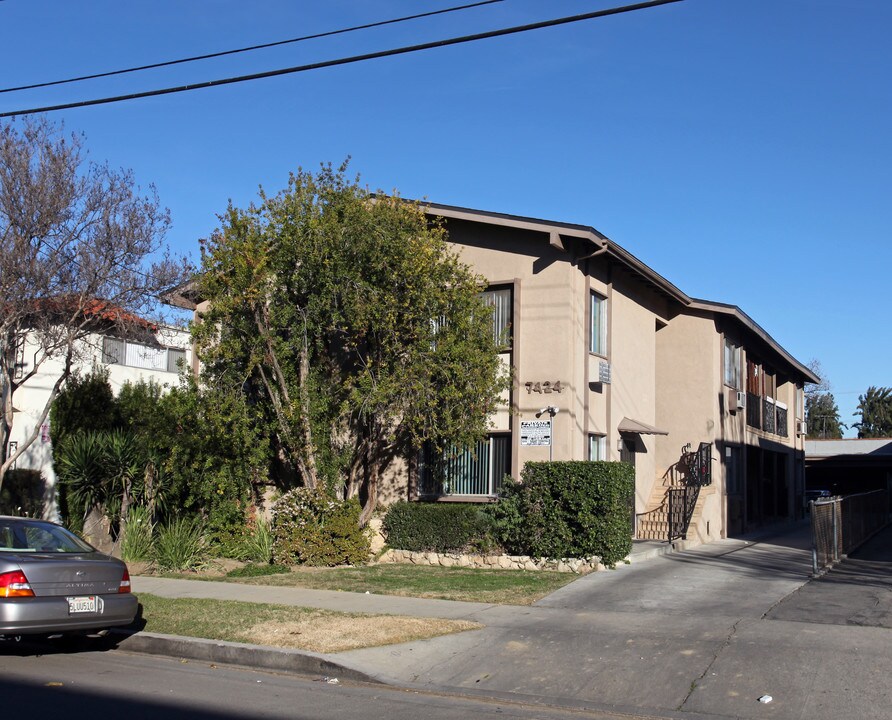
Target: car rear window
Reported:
[(23, 536)]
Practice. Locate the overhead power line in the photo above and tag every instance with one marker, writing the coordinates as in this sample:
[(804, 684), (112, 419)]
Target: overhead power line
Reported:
[(346, 60), (222, 53)]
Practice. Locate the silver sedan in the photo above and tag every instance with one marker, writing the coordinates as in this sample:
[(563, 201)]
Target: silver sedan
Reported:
[(53, 583)]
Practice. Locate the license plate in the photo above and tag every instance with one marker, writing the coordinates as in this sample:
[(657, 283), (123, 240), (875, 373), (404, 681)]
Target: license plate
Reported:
[(86, 604)]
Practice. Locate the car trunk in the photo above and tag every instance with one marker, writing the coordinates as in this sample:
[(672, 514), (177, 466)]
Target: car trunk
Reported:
[(51, 575)]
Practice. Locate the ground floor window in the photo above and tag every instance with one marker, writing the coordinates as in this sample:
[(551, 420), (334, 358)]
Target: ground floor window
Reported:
[(466, 471), (597, 447)]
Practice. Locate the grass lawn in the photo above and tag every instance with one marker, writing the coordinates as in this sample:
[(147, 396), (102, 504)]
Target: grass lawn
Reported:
[(321, 631), (502, 587)]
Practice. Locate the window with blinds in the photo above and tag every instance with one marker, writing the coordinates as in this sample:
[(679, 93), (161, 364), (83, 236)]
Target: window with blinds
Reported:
[(466, 471), (121, 352), (501, 302)]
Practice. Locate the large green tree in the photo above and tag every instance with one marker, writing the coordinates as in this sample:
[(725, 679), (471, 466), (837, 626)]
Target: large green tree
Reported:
[(354, 324), (822, 417), (875, 410)]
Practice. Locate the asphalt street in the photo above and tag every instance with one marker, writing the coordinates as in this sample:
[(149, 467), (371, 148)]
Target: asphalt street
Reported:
[(90, 685)]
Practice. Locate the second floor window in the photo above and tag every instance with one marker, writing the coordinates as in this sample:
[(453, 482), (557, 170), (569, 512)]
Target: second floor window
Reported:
[(121, 352), (500, 300), (732, 365), (598, 329)]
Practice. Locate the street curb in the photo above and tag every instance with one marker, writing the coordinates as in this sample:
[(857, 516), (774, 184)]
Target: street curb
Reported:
[(231, 653)]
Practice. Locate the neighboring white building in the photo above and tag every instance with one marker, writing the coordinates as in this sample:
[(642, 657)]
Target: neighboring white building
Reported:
[(126, 361)]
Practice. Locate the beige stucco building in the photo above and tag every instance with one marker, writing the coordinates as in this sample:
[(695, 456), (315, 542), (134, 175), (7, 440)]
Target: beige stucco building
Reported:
[(611, 361), (614, 362)]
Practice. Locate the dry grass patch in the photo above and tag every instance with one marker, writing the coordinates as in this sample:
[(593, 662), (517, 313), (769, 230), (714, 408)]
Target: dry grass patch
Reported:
[(330, 635), (322, 631)]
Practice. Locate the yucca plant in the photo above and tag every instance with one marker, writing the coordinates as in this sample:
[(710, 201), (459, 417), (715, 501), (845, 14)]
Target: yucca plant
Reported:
[(258, 546), (137, 542), (180, 544), (81, 465)]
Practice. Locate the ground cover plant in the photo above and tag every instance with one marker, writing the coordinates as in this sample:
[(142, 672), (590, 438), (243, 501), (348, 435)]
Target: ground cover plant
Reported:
[(322, 631)]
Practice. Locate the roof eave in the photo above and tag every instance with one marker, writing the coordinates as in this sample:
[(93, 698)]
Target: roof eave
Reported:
[(556, 231)]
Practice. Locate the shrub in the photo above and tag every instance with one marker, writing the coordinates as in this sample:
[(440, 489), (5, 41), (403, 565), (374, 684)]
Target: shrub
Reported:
[(312, 528), (567, 509), (436, 527), (180, 544)]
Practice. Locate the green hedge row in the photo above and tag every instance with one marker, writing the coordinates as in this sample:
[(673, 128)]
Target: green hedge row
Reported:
[(436, 527), (568, 509), (560, 510)]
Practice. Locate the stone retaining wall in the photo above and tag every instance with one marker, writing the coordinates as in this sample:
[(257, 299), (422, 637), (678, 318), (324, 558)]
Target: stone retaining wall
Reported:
[(580, 566)]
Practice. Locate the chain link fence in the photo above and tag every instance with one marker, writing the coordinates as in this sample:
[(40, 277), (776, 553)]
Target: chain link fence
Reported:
[(841, 524)]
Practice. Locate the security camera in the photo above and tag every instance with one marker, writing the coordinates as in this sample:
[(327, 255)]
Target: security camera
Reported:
[(551, 410)]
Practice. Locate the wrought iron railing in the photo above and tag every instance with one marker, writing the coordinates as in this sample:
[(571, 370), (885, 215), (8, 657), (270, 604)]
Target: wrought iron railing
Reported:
[(782, 428), (763, 413), (768, 415), (682, 500)]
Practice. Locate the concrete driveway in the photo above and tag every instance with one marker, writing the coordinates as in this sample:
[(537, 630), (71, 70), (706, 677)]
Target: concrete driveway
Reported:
[(698, 633)]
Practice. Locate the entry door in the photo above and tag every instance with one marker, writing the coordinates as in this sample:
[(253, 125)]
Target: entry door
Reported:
[(627, 451)]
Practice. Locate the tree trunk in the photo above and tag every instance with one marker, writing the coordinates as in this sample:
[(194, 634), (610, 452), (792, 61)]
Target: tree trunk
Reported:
[(303, 455), (97, 530), (371, 501)]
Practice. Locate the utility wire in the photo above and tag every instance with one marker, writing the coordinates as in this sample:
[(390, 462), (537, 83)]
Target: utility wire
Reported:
[(223, 53), (346, 60)]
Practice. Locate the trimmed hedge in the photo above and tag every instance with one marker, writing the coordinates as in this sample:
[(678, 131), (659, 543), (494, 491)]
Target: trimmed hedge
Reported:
[(436, 527), (567, 509)]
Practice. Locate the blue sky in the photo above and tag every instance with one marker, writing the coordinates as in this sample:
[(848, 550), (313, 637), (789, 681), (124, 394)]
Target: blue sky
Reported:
[(741, 148)]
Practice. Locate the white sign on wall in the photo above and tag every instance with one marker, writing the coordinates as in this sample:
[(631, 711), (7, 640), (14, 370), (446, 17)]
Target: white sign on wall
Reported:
[(535, 433)]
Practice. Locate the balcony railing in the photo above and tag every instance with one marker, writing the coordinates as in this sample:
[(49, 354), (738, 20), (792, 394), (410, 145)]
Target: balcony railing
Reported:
[(782, 421), (763, 413), (768, 415)]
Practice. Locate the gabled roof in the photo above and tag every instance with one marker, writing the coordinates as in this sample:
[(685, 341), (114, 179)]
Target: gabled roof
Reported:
[(557, 232), (601, 244), (752, 326)]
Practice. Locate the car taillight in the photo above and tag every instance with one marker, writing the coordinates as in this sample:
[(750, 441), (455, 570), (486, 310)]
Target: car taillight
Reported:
[(124, 587), (15, 584)]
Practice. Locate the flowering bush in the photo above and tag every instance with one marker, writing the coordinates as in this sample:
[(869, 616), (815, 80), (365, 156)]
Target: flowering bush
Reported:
[(312, 528)]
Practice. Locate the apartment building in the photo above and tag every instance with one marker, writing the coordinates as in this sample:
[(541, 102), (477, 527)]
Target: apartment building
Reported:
[(611, 361)]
